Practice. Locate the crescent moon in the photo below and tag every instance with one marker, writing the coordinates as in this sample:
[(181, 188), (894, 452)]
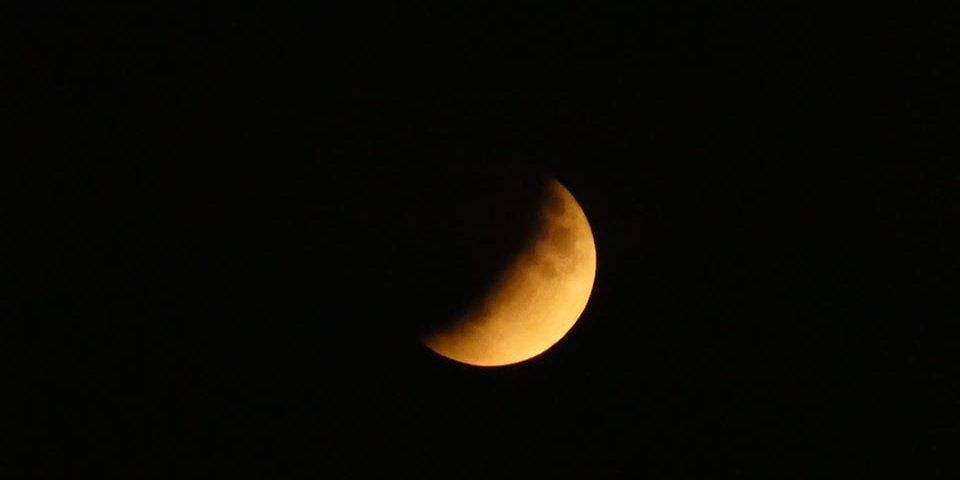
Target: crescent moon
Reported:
[(536, 299)]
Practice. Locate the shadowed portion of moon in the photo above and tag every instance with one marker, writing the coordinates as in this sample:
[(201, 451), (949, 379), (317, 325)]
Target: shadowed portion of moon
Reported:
[(534, 287), (465, 225)]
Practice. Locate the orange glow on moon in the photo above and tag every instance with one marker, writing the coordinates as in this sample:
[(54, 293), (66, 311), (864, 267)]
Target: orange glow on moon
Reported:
[(537, 299)]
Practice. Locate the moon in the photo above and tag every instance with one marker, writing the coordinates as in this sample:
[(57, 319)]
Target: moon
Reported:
[(538, 296)]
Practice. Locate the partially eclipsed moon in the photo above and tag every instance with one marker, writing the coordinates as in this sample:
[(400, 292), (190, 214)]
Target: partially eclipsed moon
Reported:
[(538, 296)]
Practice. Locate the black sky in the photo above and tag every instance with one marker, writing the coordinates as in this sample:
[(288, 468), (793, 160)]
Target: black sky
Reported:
[(237, 218)]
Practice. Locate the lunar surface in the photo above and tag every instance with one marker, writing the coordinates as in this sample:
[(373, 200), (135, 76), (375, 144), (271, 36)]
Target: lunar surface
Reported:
[(536, 299)]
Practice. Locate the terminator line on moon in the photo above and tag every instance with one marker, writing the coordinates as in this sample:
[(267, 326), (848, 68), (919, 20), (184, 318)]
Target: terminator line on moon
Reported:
[(537, 298)]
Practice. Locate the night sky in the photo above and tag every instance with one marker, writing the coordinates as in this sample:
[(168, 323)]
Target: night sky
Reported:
[(237, 219)]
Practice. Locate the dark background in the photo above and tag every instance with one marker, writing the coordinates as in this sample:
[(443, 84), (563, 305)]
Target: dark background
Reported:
[(237, 217)]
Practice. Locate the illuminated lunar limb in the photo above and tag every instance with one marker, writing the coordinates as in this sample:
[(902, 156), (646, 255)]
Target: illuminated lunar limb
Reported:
[(537, 298)]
